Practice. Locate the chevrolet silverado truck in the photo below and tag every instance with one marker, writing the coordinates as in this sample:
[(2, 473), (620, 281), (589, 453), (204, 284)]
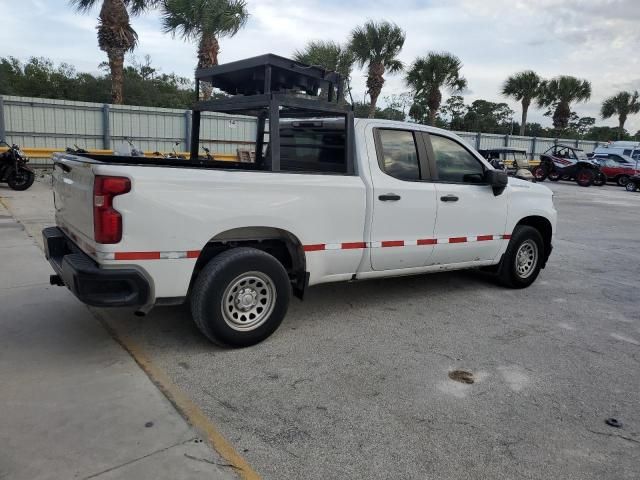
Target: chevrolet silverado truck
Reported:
[(349, 200)]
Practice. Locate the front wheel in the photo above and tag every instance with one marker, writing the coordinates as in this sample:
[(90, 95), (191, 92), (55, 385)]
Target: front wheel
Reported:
[(585, 177), (240, 297), (521, 263), (631, 186), (21, 180), (539, 173)]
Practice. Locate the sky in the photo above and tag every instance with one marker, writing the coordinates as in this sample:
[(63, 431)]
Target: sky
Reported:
[(598, 40)]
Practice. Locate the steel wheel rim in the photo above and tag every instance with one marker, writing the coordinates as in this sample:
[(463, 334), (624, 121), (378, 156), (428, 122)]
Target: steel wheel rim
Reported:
[(526, 259), (248, 301)]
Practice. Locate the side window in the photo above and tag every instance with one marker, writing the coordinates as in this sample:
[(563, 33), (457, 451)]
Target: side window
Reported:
[(399, 154), (454, 163), (627, 152)]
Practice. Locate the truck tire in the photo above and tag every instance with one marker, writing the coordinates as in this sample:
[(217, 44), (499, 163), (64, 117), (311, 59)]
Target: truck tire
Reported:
[(240, 297), (521, 263)]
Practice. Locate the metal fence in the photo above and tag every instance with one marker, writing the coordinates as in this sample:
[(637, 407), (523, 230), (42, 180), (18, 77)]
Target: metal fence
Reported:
[(533, 145), (45, 123)]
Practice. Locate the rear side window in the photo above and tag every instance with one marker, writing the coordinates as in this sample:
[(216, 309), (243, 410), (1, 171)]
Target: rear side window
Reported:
[(627, 152), (454, 163), (399, 154), (308, 149)]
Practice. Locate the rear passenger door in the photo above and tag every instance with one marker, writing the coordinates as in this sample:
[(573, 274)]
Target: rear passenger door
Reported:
[(471, 219), (404, 203)]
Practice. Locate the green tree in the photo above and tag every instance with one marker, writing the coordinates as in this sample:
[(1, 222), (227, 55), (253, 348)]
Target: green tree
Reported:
[(485, 116), (454, 111), (429, 75), (362, 110), (523, 87), (559, 93), (621, 104), (582, 125), (116, 36), (377, 45), (329, 55), (204, 21)]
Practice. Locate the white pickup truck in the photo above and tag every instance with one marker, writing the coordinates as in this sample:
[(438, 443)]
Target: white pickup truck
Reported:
[(238, 242)]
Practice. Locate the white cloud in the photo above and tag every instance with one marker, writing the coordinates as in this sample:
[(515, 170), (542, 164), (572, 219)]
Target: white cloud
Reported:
[(593, 39)]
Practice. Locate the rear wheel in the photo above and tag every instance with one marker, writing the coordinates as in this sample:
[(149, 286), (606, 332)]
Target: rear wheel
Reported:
[(21, 180), (631, 186), (585, 177), (521, 263), (240, 297), (622, 180), (539, 173)]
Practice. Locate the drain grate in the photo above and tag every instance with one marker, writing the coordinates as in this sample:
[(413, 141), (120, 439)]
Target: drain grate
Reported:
[(462, 376)]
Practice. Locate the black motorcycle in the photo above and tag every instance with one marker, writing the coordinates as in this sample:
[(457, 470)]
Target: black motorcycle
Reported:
[(14, 169)]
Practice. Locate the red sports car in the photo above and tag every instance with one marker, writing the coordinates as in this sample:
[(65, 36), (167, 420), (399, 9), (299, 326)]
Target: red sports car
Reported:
[(617, 168)]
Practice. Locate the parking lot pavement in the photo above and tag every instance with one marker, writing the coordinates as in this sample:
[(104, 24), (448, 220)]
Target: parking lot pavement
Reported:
[(355, 384), (73, 404)]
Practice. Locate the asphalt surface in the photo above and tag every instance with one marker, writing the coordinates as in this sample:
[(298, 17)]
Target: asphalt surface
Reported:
[(355, 383)]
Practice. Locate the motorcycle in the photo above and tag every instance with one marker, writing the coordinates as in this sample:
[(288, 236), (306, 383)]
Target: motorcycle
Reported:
[(14, 169)]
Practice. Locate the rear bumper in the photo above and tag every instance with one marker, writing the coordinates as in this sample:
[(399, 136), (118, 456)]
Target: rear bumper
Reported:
[(121, 287)]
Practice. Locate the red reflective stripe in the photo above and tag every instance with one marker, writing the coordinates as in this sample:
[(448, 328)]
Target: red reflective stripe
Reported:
[(353, 245), (393, 243), (507, 236), (193, 253), (484, 238), (314, 248), (137, 256), (427, 241), (458, 240)]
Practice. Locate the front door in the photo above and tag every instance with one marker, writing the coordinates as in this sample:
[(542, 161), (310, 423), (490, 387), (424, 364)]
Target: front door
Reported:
[(404, 204), (471, 219)]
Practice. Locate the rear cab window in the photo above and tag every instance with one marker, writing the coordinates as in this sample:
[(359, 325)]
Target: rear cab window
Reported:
[(398, 154)]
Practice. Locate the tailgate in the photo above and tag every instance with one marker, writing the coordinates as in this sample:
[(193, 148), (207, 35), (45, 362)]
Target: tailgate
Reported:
[(73, 195)]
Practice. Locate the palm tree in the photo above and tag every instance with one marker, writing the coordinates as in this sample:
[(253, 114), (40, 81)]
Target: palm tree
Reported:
[(205, 21), (523, 87), (116, 36), (429, 75), (559, 93), (329, 55), (622, 104), (377, 46)]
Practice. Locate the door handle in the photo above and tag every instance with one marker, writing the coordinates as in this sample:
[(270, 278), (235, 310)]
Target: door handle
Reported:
[(449, 198), (389, 197)]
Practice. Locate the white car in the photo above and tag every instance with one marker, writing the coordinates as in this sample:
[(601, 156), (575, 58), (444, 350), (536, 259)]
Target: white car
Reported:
[(237, 243)]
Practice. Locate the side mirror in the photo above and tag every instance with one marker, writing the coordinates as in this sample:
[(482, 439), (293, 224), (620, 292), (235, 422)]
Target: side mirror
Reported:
[(497, 179)]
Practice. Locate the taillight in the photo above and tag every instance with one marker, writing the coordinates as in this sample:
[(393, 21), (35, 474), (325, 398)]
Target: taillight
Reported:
[(107, 222)]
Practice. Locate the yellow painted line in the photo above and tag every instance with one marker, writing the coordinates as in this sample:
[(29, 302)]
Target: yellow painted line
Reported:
[(189, 410)]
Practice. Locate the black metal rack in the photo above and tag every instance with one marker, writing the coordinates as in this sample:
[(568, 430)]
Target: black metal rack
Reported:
[(272, 87)]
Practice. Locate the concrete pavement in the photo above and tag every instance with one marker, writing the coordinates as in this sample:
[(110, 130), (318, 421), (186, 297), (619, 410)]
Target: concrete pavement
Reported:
[(73, 403)]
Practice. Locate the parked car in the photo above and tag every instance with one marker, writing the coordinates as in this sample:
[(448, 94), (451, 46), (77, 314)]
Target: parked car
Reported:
[(617, 168), (564, 162), (514, 161), (327, 199)]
